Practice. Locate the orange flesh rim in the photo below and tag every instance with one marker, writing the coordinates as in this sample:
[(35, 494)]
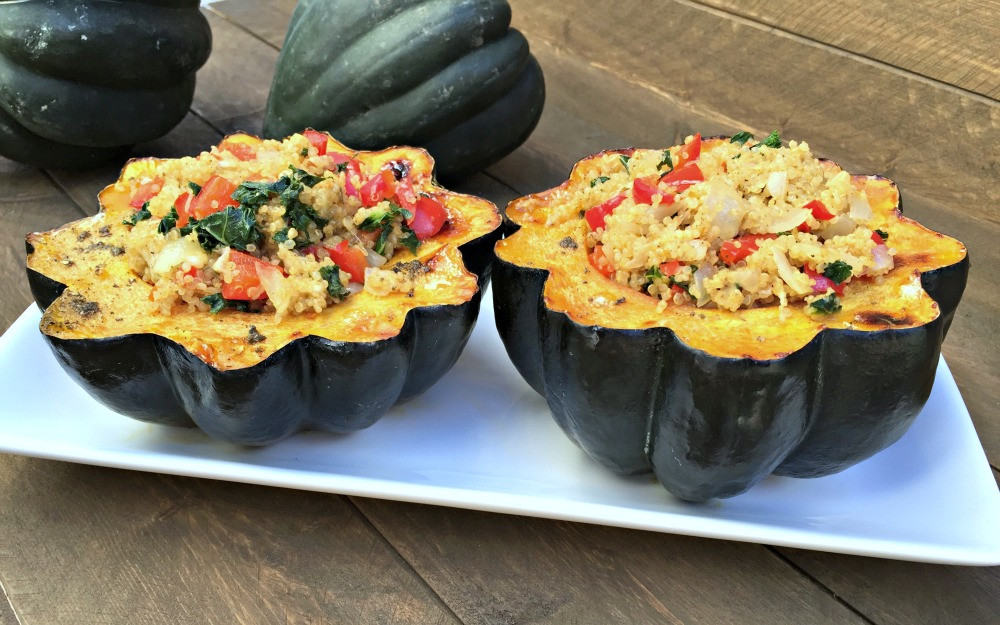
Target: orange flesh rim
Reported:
[(573, 287), (86, 256)]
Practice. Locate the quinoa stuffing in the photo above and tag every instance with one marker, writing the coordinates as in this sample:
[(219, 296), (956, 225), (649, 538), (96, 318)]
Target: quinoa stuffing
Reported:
[(737, 224), (279, 227)]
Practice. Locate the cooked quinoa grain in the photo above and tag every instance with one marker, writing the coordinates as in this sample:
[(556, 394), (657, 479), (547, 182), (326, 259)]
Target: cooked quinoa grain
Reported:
[(730, 225)]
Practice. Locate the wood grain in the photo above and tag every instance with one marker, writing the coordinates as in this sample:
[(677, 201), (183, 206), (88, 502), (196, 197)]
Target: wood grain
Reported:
[(952, 42), (128, 547), (267, 20), (508, 569), (885, 120), (7, 616)]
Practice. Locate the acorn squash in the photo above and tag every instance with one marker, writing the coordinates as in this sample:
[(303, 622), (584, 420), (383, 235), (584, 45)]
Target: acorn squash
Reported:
[(252, 378), (711, 400), (69, 97), (450, 76)]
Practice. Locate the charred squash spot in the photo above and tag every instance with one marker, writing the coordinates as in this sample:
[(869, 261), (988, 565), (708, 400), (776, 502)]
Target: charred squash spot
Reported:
[(81, 306), (903, 259), (568, 243), (882, 318)]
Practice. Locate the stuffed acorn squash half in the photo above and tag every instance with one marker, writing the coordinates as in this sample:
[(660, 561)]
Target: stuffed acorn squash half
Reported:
[(725, 309), (265, 287)]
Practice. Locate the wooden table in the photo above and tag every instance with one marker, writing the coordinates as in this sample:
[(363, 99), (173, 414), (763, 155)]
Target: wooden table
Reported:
[(908, 89)]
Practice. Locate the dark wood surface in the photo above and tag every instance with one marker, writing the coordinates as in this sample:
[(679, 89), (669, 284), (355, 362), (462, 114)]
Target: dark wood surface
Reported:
[(910, 92)]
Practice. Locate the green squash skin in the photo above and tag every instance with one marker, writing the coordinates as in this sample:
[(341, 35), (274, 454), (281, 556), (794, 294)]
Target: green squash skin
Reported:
[(67, 93), (310, 384), (641, 401), (446, 75)]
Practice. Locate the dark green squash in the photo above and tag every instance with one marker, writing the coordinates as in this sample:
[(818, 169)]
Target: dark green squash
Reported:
[(709, 400), (82, 82), (450, 76), (338, 370)]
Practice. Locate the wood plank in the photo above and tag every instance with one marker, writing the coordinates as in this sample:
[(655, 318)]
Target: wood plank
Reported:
[(880, 119), (233, 85), (573, 127), (907, 593), (953, 42), (128, 547), (266, 20), (491, 568), (31, 203)]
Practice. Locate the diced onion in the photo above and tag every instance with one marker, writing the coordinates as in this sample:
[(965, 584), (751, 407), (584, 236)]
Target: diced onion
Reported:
[(860, 208), (375, 260), (883, 261), (698, 288), (663, 210), (795, 279), (726, 206), (276, 286), (777, 184), (174, 254), (838, 227), (790, 220)]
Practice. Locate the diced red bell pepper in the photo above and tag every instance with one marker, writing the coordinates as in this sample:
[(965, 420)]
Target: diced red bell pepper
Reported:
[(877, 238), (379, 187), (317, 139), (689, 152), (821, 283), (244, 277), (350, 259), (596, 216), (739, 248), (183, 207), (644, 190), (215, 195), (804, 227), (671, 268), (428, 218), (683, 177), (819, 210), (600, 262), (146, 192), (242, 151)]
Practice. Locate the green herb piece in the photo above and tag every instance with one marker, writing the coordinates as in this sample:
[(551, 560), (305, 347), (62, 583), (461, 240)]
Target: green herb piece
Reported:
[(741, 137), (826, 305), (883, 234), (304, 152), (409, 239), (139, 215), (838, 271), (666, 160), (383, 238), (235, 227), (281, 235), (652, 273), (384, 217), (195, 188), (598, 180), (773, 140), (684, 285), (785, 233), (216, 301), (334, 286), (169, 222), (625, 159)]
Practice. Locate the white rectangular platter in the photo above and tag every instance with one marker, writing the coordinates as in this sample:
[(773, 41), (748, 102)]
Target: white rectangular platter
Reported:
[(482, 439)]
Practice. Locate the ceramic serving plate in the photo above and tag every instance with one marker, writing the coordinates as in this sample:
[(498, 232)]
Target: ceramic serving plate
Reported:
[(482, 439)]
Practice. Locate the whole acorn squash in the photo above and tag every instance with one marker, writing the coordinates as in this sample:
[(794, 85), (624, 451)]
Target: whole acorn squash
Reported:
[(245, 377), (446, 75), (709, 400), (82, 82)]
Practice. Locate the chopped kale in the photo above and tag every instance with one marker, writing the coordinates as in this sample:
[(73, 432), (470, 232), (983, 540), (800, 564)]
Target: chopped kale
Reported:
[(304, 152), (219, 303), (826, 305), (598, 180), (666, 160), (883, 234), (683, 285), (334, 286), (281, 235), (236, 227), (625, 159), (383, 238), (169, 222), (382, 218), (773, 140), (195, 188), (409, 239), (652, 273), (139, 215), (838, 271), (741, 137)]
